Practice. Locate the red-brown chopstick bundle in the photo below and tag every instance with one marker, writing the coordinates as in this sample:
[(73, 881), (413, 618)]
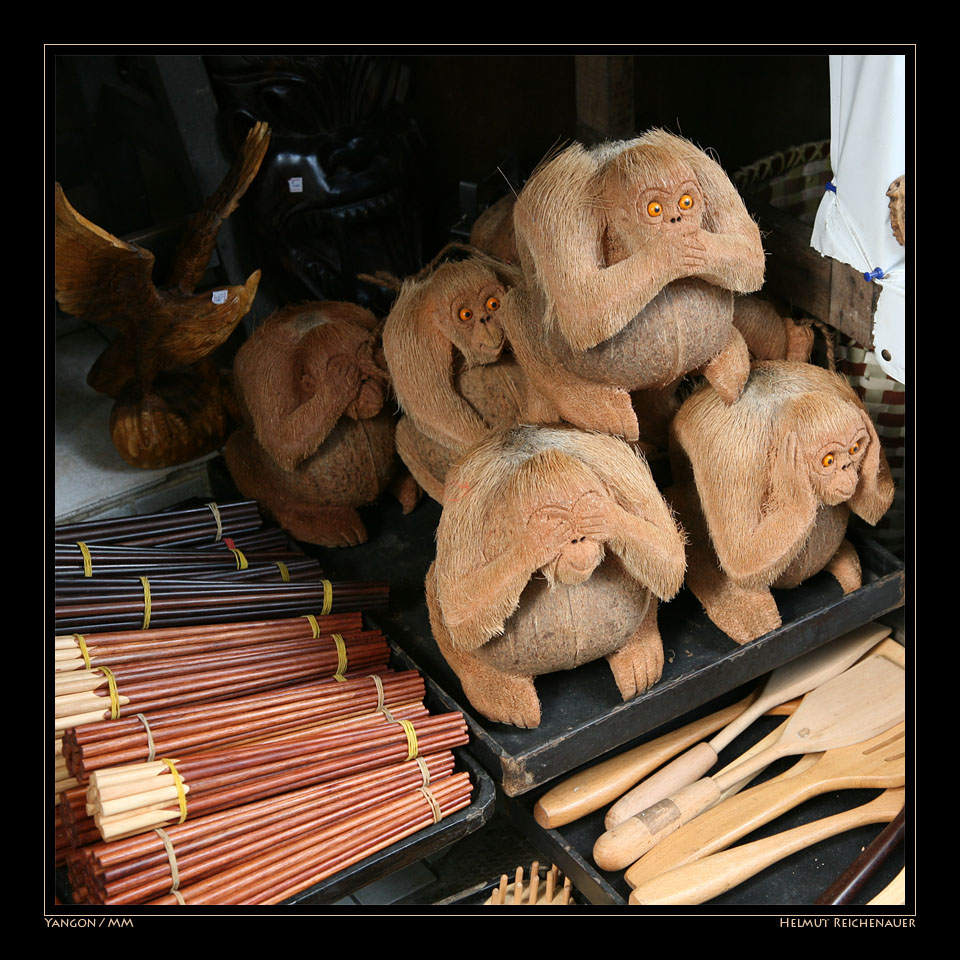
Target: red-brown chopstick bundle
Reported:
[(298, 864), (129, 799), (193, 729), (94, 695), (139, 868), (108, 648)]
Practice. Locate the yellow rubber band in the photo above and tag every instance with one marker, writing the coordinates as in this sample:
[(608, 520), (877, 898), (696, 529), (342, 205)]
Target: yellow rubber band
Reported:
[(178, 780), (312, 620), (215, 510), (84, 652), (87, 559), (327, 597), (341, 658), (411, 738), (241, 559), (284, 572), (112, 687), (146, 602), (434, 806)]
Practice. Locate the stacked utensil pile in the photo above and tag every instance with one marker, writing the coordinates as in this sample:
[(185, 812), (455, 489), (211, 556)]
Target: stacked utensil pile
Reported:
[(235, 761), (675, 832)]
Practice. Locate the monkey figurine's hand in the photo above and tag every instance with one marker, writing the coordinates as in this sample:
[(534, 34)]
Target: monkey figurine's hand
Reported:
[(691, 254), (731, 262), (341, 376), (547, 531), (368, 402), (875, 489)]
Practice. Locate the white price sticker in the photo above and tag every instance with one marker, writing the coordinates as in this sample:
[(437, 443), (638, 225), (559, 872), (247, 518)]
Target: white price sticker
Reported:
[(295, 184), (219, 296)]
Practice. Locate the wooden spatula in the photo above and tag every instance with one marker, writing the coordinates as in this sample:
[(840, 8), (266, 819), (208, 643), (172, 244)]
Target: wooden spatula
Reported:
[(877, 763), (860, 703), (793, 679), (705, 879)]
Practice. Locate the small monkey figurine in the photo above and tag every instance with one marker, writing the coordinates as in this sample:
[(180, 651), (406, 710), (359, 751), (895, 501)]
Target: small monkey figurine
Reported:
[(449, 362), (765, 488), (632, 253), (316, 442), (551, 555)]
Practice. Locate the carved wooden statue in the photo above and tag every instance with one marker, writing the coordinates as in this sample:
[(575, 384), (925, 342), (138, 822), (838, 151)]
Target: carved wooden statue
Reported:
[(632, 252), (551, 554), (317, 441), (171, 402), (765, 487), (450, 364)]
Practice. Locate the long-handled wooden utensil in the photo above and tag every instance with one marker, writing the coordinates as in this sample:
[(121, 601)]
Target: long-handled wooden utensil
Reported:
[(793, 679), (860, 703), (602, 783), (705, 879), (877, 763)]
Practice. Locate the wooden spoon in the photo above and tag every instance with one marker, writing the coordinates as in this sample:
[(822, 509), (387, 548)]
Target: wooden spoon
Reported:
[(860, 703), (874, 764), (793, 679), (705, 879), (602, 783)]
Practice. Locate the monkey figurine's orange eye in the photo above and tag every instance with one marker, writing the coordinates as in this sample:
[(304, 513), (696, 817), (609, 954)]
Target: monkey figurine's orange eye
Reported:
[(855, 449), (828, 460), (466, 314), (685, 202), (654, 208), (493, 303)]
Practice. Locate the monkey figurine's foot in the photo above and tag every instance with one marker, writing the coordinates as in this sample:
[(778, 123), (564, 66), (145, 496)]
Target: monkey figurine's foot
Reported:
[(799, 341), (729, 369), (324, 526), (845, 566), (502, 697), (742, 613), (406, 490), (604, 410), (638, 664)]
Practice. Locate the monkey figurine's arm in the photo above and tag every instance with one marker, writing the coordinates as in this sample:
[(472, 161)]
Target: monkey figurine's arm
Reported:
[(477, 602), (875, 491), (292, 418), (421, 366), (651, 549), (757, 537)]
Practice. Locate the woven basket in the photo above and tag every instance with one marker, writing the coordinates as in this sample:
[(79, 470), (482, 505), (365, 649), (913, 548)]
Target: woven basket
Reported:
[(793, 181)]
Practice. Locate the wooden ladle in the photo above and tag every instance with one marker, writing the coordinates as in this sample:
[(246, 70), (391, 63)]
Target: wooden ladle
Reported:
[(877, 763), (793, 679), (860, 703), (705, 879)]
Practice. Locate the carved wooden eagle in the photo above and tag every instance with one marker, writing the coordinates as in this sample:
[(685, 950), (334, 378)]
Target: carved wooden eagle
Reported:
[(171, 402)]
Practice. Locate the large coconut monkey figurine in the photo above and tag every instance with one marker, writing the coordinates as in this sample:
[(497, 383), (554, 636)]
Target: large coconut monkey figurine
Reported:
[(317, 441), (550, 555), (632, 253), (765, 488)]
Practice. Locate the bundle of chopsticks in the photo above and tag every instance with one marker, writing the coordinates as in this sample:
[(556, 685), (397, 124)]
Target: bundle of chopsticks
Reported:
[(209, 564), (228, 729)]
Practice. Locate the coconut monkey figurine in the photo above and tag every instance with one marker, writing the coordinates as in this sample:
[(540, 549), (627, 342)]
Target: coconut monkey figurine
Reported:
[(551, 554), (316, 442), (632, 253), (449, 363), (765, 488)]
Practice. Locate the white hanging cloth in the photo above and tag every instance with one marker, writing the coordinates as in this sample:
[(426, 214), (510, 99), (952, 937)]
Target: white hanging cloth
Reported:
[(868, 152)]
